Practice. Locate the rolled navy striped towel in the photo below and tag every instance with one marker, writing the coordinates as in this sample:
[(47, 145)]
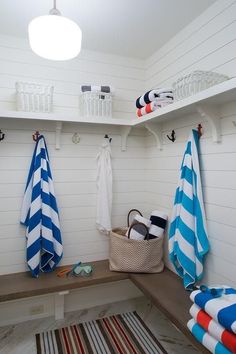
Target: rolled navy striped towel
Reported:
[(95, 88), (158, 223), (151, 95), (138, 232), (213, 345), (227, 338), (153, 106), (222, 309)]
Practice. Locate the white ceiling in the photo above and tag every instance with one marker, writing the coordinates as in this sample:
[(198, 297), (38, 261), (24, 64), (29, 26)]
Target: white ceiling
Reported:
[(135, 28)]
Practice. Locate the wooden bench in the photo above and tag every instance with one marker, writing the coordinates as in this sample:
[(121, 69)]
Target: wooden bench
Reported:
[(165, 290)]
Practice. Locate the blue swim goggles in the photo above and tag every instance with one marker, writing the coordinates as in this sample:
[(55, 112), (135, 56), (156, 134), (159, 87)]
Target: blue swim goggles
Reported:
[(79, 269)]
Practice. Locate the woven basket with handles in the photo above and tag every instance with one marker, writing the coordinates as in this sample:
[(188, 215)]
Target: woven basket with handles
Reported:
[(128, 255)]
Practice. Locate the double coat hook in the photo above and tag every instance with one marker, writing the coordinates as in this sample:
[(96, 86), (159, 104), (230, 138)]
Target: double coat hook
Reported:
[(35, 136), (172, 137), (199, 130), (2, 135), (107, 137)]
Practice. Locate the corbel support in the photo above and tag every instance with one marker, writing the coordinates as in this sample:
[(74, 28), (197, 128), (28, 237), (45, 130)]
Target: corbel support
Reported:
[(58, 135), (125, 130), (211, 114), (60, 304), (155, 129)]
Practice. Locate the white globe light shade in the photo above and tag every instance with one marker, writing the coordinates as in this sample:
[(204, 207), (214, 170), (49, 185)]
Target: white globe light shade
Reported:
[(55, 37)]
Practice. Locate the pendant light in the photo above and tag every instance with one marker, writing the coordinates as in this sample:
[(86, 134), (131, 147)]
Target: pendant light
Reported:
[(54, 36)]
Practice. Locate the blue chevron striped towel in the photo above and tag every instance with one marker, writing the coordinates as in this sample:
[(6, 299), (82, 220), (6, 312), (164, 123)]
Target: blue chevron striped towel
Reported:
[(188, 241), (40, 214)]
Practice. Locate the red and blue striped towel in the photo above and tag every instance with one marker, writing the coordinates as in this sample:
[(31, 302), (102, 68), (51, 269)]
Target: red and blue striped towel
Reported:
[(222, 309), (206, 339), (227, 338)]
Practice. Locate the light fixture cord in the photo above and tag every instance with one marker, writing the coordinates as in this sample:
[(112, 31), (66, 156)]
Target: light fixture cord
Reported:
[(54, 10)]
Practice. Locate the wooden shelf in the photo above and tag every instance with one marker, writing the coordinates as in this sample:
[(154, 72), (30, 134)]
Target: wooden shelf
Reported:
[(125, 125), (206, 103), (214, 96), (63, 118)]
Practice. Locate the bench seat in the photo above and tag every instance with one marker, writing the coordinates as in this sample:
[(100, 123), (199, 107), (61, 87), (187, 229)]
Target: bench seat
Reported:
[(21, 285), (167, 293), (165, 290)]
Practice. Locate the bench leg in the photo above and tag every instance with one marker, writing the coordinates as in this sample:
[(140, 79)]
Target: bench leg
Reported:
[(60, 305)]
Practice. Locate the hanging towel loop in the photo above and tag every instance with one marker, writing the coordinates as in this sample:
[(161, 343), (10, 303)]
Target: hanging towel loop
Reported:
[(2, 135), (36, 135), (172, 137)]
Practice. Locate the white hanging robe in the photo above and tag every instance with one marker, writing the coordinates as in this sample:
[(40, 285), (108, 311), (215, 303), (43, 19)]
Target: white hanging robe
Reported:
[(104, 188)]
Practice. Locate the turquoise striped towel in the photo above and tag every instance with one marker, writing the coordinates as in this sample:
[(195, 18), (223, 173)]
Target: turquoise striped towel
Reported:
[(188, 241)]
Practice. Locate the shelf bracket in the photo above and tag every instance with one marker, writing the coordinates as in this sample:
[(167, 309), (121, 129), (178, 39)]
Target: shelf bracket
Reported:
[(59, 304), (155, 129), (125, 130), (58, 135), (211, 113)]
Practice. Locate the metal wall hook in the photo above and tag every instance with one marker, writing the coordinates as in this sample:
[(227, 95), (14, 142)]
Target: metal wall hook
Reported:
[(75, 138), (2, 135), (107, 137), (172, 137), (35, 136), (199, 130)]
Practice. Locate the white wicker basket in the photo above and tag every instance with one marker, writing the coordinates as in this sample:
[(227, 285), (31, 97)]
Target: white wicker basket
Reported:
[(32, 97), (95, 104), (195, 82)]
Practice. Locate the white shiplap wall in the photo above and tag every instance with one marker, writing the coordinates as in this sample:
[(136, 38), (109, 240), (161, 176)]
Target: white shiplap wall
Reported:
[(19, 63), (74, 171), (73, 166), (144, 176), (208, 43)]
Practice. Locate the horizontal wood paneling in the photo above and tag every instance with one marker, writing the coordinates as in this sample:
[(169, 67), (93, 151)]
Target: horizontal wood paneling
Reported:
[(190, 31), (143, 176), (208, 43), (74, 172), (218, 164), (74, 166), (19, 63)]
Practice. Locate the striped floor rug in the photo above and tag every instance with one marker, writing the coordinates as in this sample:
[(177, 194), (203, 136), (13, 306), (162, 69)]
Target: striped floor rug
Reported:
[(120, 334)]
